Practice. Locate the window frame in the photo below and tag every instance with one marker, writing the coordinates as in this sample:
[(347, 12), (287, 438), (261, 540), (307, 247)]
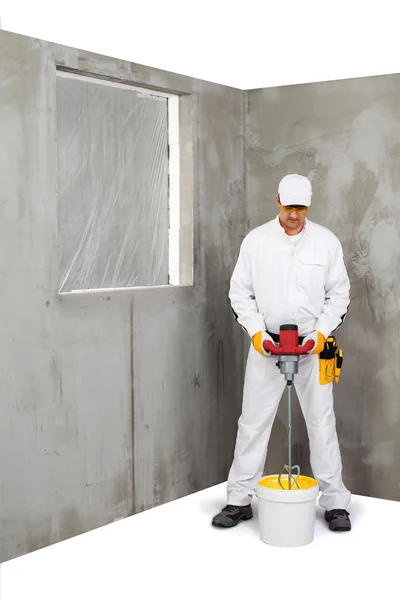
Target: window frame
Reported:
[(175, 205)]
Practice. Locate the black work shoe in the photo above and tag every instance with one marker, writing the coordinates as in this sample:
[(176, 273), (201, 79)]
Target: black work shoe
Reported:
[(231, 515), (338, 519)]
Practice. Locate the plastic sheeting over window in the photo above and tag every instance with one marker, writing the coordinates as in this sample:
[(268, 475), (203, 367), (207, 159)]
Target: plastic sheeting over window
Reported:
[(112, 186)]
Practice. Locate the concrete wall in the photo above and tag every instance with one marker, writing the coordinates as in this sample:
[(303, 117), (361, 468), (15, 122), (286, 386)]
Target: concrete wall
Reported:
[(111, 403), (345, 136)]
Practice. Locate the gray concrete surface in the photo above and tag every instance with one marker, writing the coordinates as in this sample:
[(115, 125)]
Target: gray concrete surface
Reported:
[(344, 136), (111, 403)]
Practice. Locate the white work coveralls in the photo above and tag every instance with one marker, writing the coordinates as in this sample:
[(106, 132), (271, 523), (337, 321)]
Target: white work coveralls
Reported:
[(302, 280)]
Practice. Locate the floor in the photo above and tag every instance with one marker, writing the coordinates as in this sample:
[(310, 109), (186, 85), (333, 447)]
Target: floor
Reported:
[(173, 551)]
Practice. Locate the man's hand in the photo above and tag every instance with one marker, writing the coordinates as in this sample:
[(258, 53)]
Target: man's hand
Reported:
[(258, 340), (319, 342)]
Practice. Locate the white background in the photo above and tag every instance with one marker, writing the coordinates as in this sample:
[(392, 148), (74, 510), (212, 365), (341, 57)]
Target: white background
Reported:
[(247, 44)]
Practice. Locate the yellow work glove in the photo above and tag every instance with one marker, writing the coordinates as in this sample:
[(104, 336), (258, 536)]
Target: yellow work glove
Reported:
[(319, 342), (258, 340)]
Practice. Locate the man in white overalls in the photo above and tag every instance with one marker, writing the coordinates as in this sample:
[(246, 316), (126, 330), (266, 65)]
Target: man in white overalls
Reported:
[(289, 271)]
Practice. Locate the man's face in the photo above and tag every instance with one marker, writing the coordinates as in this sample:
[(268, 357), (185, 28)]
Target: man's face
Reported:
[(292, 219)]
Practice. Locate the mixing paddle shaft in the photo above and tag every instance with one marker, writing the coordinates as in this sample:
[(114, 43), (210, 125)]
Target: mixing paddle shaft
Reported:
[(289, 467), (289, 351), (289, 389)]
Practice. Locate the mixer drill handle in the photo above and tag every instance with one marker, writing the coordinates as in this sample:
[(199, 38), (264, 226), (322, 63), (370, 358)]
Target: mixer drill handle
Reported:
[(270, 347), (288, 342)]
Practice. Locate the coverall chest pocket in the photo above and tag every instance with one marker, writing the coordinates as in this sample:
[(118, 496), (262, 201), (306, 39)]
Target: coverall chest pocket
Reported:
[(312, 270)]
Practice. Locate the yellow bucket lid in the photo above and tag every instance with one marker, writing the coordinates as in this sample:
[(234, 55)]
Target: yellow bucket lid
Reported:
[(271, 481)]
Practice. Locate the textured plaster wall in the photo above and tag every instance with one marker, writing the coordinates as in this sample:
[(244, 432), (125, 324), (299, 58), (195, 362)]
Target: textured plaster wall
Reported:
[(344, 136), (118, 401)]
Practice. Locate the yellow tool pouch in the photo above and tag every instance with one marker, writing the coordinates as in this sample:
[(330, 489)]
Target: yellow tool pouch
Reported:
[(338, 364), (330, 362)]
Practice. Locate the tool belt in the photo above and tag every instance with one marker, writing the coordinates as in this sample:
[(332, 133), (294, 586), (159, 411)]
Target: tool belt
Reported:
[(330, 362)]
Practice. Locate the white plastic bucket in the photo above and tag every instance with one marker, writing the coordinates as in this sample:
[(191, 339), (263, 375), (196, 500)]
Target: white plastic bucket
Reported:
[(286, 516)]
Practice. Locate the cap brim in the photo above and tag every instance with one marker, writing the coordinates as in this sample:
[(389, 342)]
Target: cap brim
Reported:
[(300, 200)]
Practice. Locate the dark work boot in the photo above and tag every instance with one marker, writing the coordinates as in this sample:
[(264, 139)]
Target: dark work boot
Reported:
[(338, 519), (231, 515)]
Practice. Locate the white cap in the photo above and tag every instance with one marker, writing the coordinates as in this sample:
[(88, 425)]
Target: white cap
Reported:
[(295, 189)]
